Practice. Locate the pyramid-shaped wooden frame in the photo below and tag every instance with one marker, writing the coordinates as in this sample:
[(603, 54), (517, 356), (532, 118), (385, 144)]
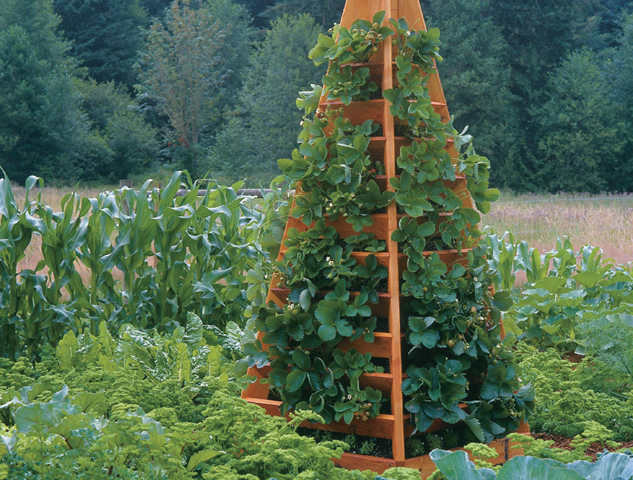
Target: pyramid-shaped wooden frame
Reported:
[(396, 426)]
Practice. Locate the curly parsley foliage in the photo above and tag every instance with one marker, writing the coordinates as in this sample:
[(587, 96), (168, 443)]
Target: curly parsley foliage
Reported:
[(147, 406)]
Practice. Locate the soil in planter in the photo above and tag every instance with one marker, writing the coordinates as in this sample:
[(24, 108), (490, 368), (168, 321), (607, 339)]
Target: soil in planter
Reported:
[(384, 363), (361, 445), (378, 132), (383, 286), (382, 325), (377, 95), (434, 244), (400, 130), (423, 443)]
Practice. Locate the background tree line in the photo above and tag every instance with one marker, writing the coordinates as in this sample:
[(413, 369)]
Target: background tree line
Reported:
[(105, 89)]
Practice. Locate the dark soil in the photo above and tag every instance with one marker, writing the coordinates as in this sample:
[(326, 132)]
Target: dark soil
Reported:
[(564, 443), (382, 325), (378, 132)]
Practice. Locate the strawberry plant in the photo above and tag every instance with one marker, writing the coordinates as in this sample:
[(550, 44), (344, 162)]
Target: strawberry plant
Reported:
[(452, 324), (336, 172), (347, 85), (351, 45), (326, 294)]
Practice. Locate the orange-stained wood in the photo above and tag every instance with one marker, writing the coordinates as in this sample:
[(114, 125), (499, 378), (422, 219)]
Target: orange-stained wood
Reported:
[(396, 424)]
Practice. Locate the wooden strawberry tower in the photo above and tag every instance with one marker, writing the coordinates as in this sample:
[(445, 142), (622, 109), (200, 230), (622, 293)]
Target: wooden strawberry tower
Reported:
[(382, 134)]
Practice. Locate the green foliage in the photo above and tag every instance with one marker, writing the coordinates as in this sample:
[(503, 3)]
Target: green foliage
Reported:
[(262, 127), (43, 129), (238, 40), (341, 184), (54, 123), (567, 295), (105, 36), (456, 466), (185, 87), (572, 301), (571, 395), (536, 447), (569, 142), (400, 473), (325, 12), (348, 86), (351, 45), (196, 243), (104, 408), (117, 119)]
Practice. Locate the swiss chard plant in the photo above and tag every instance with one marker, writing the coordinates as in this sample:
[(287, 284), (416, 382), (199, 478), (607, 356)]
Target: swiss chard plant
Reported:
[(572, 300)]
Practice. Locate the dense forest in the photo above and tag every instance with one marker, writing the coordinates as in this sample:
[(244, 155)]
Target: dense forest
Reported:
[(101, 90)]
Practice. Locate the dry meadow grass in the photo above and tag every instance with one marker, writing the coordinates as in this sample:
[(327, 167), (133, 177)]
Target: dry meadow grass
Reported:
[(604, 221), (51, 196)]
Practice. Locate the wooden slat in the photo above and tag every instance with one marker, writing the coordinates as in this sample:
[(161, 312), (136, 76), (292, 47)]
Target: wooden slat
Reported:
[(378, 381), (449, 257), (380, 348), (271, 406), (397, 425), (256, 389), (353, 461), (398, 447), (359, 112), (344, 229), (355, 9), (380, 427), (381, 257)]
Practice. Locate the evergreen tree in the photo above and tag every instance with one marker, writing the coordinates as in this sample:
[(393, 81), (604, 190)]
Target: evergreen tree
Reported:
[(324, 12), (129, 143), (257, 9), (620, 78), (237, 45), (266, 124), (156, 8), (42, 129), (476, 78), (611, 15), (580, 139), (105, 34)]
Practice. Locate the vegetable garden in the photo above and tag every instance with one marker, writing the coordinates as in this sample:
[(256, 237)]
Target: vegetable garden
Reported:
[(125, 350)]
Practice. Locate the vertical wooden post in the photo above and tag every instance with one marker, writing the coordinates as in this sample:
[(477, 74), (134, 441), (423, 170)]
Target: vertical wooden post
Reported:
[(395, 425)]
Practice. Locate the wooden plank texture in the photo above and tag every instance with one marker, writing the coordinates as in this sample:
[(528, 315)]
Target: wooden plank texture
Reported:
[(395, 425)]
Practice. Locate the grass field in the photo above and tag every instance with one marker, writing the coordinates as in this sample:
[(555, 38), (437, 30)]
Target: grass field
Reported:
[(605, 221), (52, 196)]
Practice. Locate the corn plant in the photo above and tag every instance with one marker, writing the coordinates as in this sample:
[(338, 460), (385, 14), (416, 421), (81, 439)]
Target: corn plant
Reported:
[(149, 258)]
